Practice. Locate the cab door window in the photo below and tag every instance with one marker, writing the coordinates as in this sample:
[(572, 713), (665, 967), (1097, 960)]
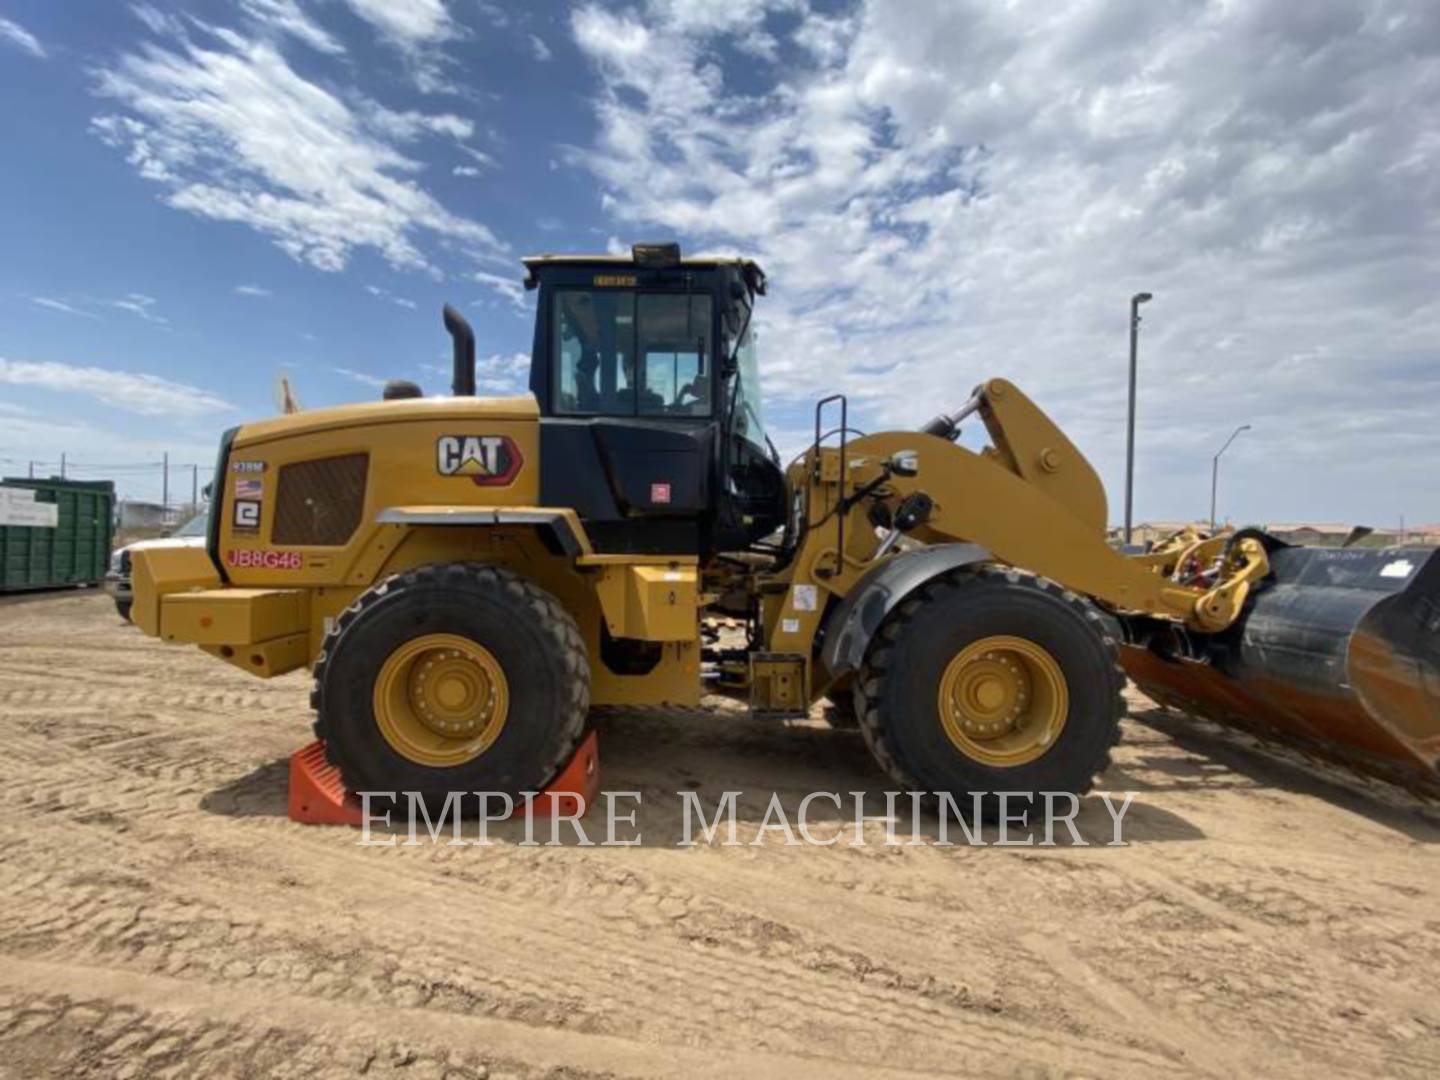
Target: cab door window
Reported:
[(674, 347), (594, 349), (619, 354)]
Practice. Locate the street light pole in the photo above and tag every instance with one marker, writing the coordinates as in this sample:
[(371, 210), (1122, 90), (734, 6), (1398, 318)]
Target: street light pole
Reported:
[(1215, 473), (1135, 302)]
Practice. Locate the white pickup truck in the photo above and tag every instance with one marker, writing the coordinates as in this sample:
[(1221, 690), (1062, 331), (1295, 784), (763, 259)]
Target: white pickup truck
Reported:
[(117, 580)]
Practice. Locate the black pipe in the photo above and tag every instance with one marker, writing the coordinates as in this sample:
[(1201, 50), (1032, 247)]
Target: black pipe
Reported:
[(464, 381)]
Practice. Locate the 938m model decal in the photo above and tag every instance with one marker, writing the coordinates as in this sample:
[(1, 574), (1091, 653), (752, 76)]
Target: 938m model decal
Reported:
[(488, 460)]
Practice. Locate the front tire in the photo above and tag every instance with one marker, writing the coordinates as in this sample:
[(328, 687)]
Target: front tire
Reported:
[(992, 680), (457, 677)]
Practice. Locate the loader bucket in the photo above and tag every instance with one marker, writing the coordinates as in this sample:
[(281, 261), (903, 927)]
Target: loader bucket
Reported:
[(1338, 649)]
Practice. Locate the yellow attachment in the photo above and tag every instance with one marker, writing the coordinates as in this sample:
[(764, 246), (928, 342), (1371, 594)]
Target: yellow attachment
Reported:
[(263, 631), (159, 571), (1188, 555), (777, 683), (1246, 564), (266, 658), (649, 602), (234, 616), (1003, 701), (1028, 443), (441, 700)]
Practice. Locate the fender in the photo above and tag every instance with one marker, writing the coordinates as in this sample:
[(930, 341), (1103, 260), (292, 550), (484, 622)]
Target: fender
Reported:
[(878, 592), (560, 535)]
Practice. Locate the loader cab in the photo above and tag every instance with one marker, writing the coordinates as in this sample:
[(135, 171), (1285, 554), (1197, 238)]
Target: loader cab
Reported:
[(645, 372)]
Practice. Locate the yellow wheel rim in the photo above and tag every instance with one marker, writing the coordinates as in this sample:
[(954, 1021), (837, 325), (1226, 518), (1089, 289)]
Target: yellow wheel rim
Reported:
[(441, 700), (1003, 701)]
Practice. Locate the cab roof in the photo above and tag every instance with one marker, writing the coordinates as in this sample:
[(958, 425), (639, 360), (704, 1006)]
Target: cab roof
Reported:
[(697, 261), (648, 258)]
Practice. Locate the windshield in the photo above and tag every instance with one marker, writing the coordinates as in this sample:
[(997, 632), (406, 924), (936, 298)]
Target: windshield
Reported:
[(749, 423), (196, 526)]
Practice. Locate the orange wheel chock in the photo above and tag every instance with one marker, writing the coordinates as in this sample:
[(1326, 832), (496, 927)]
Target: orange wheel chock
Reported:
[(579, 780), (318, 795)]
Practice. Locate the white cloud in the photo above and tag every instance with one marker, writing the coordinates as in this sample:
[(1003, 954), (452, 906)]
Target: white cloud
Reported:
[(944, 191), (494, 14), (157, 21), (287, 17), (824, 38), (361, 377), (385, 294), (510, 287), (417, 28), (470, 171), (410, 125), (235, 134), (61, 305), (502, 373), (484, 160), (139, 304), (407, 23), (18, 36), (251, 290), (539, 48), (145, 395)]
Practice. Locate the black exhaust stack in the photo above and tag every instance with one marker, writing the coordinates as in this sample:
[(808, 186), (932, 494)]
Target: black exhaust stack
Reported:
[(464, 338)]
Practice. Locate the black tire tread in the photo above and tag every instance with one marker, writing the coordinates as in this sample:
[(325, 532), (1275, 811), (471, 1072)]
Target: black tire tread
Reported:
[(869, 682), (551, 615)]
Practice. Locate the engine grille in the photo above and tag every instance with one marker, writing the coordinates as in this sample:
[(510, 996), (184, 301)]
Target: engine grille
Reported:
[(320, 501)]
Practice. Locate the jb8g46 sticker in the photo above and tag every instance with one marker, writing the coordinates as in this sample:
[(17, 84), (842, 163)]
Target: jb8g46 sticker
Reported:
[(250, 559)]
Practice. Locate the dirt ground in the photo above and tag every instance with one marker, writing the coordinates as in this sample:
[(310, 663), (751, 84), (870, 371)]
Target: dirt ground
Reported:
[(159, 915)]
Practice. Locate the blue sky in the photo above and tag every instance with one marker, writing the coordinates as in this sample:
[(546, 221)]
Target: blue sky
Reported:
[(197, 197)]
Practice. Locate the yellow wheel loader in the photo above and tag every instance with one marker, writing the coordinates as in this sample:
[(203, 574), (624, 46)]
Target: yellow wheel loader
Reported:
[(467, 576)]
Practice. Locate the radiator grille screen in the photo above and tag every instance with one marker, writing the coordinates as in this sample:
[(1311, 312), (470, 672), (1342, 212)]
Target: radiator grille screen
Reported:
[(320, 501)]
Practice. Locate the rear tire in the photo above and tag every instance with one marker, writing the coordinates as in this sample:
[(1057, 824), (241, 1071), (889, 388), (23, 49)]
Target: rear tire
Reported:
[(529, 643), (913, 658)]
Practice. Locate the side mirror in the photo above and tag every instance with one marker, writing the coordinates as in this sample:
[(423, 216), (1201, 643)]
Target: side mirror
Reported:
[(904, 463)]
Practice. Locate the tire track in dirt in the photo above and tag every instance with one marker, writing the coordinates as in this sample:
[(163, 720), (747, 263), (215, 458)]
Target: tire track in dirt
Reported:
[(578, 1054), (647, 965), (650, 900)]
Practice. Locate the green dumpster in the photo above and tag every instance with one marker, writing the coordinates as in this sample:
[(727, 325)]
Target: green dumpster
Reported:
[(54, 532)]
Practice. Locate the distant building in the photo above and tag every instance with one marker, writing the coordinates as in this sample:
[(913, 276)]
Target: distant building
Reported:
[(139, 515), (1423, 535), (133, 514), (1151, 532)]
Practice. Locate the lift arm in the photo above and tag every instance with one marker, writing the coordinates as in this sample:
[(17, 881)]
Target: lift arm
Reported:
[(1030, 499)]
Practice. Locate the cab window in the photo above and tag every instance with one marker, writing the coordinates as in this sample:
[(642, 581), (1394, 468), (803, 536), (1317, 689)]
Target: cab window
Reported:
[(594, 350), (622, 354)]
